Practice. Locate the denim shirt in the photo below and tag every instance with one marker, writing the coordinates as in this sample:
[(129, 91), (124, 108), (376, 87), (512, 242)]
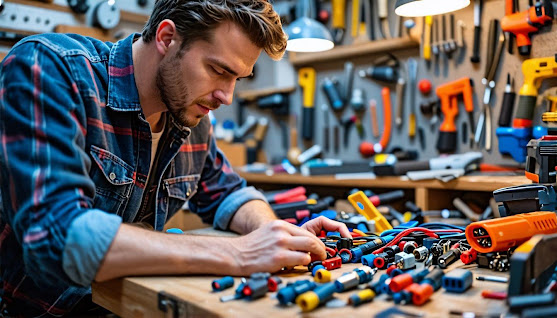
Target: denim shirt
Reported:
[(74, 164)]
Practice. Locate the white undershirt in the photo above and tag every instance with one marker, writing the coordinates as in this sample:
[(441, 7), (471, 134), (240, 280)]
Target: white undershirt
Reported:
[(155, 138)]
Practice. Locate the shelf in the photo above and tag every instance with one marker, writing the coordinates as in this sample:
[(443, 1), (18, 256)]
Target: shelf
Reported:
[(465, 183), (350, 51), (429, 194)]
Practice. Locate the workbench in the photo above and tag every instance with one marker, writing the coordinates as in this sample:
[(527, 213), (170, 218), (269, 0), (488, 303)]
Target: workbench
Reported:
[(142, 296)]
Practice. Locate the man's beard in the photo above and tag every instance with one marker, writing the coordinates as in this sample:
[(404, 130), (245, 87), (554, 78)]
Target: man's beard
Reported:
[(174, 92)]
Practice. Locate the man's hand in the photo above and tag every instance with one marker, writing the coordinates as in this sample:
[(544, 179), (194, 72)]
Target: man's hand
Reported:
[(279, 244), (322, 223)]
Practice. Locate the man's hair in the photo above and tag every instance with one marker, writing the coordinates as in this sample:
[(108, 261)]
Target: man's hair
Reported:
[(197, 19)]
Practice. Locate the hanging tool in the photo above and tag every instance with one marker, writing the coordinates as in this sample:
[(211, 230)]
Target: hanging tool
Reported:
[(478, 4), (326, 128), (371, 19), (435, 42), (294, 151), (513, 140), (355, 18), (508, 103), (383, 12), (448, 93), (427, 38), (383, 69), (339, 20), (362, 36), (399, 107), (331, 88), (368, 149), (373, 117), (306, 79), (509, 10), (253, 145), (357, 101), (413, 78), (522, 24), (495, 48), (460, 33), (452, 39)]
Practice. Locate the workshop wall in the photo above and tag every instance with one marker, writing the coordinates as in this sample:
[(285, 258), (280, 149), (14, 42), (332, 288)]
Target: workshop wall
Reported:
[(95, 18), (439, 71)]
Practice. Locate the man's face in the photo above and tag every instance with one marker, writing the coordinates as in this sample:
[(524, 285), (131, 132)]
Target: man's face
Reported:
[(204, 77)]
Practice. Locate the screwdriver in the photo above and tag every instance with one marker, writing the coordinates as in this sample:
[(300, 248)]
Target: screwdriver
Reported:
[(508, 103)]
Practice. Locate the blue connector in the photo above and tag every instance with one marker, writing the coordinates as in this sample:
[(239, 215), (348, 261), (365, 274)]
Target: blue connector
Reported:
[(289, 293), (434, 278), (222, 283), (458, 280), (369, 247), (316, 268), (402, 297), (368, 260), (378, 285)]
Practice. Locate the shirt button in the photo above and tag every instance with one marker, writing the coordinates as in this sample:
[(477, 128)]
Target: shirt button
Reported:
[(112, 176)]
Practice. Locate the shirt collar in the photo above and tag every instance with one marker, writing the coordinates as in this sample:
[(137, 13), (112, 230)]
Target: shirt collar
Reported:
[(122, 91)]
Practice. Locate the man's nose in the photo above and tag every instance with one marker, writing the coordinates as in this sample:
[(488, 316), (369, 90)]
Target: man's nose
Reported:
[(225, 94)]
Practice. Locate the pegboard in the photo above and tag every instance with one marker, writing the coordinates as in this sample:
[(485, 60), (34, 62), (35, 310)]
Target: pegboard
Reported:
[(439, 72)]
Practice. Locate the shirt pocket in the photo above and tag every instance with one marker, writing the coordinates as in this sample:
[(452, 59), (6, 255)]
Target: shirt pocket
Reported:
[(178, 191), (113, 179)]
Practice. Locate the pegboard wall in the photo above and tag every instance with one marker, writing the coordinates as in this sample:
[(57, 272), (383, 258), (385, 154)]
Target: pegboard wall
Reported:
[(439, 71)]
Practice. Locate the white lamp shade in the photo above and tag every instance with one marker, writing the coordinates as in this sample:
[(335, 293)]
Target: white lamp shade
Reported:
[(308, 35), (421, 8)]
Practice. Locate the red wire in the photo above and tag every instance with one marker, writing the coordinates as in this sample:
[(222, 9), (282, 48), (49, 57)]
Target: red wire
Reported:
[(428, 232)]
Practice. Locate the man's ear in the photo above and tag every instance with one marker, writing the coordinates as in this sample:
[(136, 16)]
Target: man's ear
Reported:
[(165, 36)]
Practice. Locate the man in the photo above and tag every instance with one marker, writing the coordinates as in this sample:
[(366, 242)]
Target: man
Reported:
[(95, 135)]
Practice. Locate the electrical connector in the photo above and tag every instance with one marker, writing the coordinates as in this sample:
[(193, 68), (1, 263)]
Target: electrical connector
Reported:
[(361, 297), (421, 253), (322, 276), (222, 283), (308, 301), (449, 257), (405, 261), (332, 263), (458, 280), (420, 293), (469, 256), (506, 232), (434, 278), (289, 293), (402, 281)]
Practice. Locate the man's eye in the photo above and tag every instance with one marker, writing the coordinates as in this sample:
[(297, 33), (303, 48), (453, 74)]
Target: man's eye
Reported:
[(216, 71)]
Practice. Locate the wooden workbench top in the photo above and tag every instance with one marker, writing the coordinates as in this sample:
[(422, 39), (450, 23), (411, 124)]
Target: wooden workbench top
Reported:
[(138, 297)]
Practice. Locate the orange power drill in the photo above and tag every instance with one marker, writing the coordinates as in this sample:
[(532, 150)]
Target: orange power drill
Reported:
[(448, 94), (521, 24)]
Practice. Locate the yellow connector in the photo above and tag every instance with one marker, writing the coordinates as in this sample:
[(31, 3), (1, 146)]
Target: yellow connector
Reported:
[(308, 301), (363, 205), (322, 276)]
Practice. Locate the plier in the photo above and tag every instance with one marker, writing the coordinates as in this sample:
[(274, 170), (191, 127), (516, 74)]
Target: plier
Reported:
[(495, 47)]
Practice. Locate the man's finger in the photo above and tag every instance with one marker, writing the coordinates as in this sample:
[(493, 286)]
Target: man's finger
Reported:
[(321, 222), (303, 244), (297, 231)]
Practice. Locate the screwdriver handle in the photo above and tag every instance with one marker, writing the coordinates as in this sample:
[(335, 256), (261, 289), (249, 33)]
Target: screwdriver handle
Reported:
[(475, 58), (505, 116)]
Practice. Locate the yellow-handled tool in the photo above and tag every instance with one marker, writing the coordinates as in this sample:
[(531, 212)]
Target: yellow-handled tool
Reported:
[(363, 205), (306, 79)]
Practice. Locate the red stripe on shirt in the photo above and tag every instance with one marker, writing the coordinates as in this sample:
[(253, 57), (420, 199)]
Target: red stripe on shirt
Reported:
[(8, 60), (74, 117), (17, 294), (120, 72), (193, 148), (39, 134), (106, 127)]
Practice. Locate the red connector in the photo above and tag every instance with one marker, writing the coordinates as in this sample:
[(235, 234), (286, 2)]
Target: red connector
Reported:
[(469, 256), (503, 233), (400, 282), (332, 263), (420, 293)]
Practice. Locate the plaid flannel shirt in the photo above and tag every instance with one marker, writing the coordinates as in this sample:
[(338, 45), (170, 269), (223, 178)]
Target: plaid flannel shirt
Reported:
[(74, 164)]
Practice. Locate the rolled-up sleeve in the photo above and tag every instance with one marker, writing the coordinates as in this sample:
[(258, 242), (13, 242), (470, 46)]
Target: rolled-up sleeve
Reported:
[(46, 190)]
